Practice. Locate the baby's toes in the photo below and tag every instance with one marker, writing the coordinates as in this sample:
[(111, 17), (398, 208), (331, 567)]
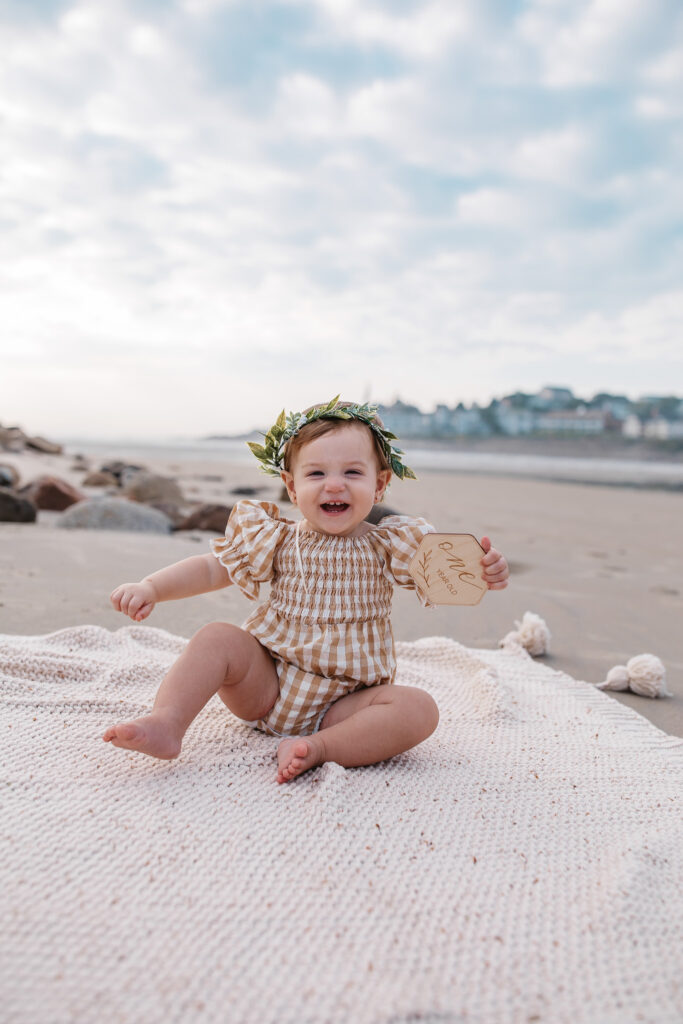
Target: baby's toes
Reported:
[(128, 732), (123, 733)]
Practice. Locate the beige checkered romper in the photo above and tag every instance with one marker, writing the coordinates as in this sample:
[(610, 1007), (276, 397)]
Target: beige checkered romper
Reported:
[(326, 622)]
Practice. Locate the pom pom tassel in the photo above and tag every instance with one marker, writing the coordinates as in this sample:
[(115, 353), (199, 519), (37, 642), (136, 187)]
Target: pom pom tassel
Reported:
[(645, 675), (531, 634)]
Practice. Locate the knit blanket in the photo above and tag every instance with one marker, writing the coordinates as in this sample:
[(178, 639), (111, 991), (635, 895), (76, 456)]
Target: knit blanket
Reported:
[(523, 864)]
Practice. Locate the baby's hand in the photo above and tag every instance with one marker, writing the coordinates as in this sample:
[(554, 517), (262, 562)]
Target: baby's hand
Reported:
[(136, 600), (496, 571)]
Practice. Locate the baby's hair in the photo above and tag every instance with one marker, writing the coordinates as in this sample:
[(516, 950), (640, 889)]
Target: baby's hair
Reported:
[(318, 428)]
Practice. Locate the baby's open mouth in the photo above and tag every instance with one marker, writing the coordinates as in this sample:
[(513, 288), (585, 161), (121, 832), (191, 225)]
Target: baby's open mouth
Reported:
[(334, 506)]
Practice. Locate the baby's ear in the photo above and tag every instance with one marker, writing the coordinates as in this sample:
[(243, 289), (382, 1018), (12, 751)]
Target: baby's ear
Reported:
[(383, 478), (288, 481)]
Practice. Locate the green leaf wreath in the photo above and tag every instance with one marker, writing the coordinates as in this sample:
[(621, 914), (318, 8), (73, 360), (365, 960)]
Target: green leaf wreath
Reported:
[(270, 453)]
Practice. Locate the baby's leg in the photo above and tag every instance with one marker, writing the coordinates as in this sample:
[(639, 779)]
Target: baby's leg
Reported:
[(364, 727), (220, 658)]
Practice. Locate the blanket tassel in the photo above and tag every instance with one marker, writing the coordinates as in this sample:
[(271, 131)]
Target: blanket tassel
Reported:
[(644, 674)]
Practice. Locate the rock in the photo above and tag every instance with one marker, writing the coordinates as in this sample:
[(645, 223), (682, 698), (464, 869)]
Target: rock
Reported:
[(9, 476), (39, 444), (172, 511), (121, 470), (12, 439), (378, 512), (114, 514), (51, 493), (207, 517), (149, 489), (80, 464), (15, 509), (246, 492), (99, 479)]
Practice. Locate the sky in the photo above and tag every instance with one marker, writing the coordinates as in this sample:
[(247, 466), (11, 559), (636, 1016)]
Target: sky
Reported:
[(214, 209)]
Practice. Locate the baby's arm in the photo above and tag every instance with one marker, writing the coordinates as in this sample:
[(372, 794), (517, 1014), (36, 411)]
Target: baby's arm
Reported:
[(196, 575), (495, 565)]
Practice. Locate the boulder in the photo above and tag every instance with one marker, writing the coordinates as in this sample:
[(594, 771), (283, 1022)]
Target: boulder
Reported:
[(121, 470), (81, 464), (15, 509), (39, 444), (246, 492), (207, 517), (51, 493), (175, 514), (114, 514), (12, 439), (99, 479), (150, 489), (9, 477)]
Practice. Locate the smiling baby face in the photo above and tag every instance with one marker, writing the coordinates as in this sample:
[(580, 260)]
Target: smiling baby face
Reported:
[(335, 480)]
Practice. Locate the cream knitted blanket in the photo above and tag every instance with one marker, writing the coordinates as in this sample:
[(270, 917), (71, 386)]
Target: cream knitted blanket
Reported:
[(524, 864)]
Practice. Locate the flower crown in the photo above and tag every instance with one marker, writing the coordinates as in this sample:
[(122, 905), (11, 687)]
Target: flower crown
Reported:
[(270, 454)]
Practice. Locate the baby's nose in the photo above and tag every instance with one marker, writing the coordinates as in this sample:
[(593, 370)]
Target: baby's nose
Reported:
[(334, 483)]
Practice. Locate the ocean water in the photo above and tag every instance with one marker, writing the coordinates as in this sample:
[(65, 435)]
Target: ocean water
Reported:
[(618, 472)]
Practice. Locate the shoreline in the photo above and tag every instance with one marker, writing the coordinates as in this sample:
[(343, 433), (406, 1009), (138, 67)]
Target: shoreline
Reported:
[(551, 461), (569, 447)]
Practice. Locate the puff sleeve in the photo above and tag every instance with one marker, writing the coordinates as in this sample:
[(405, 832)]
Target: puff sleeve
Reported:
[(396, 539), (252, 536)]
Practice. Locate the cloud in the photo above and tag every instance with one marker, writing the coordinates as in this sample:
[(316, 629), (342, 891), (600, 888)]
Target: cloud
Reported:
[(555, 157), (495, 208), (360, 191), (588, 43)]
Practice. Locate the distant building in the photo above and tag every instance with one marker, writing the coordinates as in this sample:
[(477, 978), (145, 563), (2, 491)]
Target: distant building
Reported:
[(618, 406), (405, 420), (469, 421), (552, 411), (513, 419), (632, 426), (553, 398), (580, 421), (442, 421), (663, 429)]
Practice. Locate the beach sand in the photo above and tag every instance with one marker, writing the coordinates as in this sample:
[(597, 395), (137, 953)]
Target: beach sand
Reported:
[(602, 565)]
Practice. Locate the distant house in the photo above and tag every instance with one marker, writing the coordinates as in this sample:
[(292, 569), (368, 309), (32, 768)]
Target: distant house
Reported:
[(553, 398), (664, 429), (632, 426), (514, 420), (405, 420), (442, 421), (469, 421), (618, 406), (580, 421), (551, 411)]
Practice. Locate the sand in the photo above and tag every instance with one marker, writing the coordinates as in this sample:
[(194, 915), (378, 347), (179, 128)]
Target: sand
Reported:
[(602, 565)]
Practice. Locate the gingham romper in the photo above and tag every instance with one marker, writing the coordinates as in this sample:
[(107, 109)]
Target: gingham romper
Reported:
[(326, 621)]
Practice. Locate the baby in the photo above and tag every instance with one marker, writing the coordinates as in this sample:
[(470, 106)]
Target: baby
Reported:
[(314, 665)]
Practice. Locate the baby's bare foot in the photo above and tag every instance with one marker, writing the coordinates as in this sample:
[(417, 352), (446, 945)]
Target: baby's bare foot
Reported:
[(297, 755), (153, 734)]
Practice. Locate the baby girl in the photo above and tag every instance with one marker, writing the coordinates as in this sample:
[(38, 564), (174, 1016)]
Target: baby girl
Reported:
[(313, 665)]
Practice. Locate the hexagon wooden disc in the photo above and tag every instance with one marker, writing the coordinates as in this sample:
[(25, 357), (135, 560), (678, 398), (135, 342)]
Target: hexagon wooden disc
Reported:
[(446, 568)]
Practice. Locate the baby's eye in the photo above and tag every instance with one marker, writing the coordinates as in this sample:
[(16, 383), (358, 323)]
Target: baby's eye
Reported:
[(315, 472), (354, 472)]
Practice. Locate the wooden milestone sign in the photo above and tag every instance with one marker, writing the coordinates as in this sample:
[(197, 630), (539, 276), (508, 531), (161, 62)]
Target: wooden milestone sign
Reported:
[(447, 568)]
